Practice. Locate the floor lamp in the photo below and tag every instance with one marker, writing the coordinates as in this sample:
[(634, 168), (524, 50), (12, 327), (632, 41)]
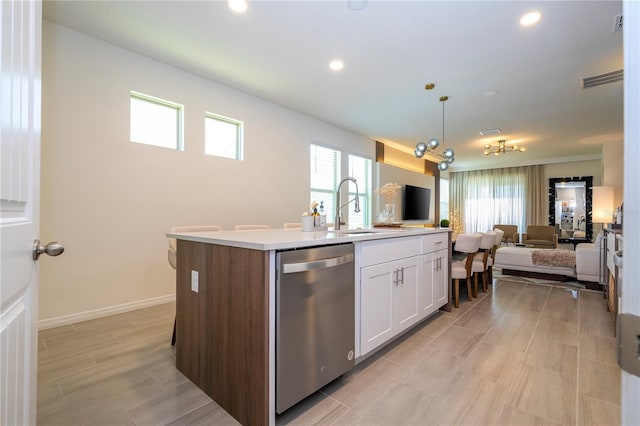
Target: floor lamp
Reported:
[(602, 212)]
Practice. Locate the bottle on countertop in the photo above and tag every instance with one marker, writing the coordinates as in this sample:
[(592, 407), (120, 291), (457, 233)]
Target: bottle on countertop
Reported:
[(321, 220)]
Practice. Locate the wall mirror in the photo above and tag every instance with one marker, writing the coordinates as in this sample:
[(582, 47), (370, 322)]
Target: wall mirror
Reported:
[(570, 201)]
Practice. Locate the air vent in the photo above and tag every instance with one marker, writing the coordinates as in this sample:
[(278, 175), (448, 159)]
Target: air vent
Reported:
[(617, 24), (599, 80), (489, 132)]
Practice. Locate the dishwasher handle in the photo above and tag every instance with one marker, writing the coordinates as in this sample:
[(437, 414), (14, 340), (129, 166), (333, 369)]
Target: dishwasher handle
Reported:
[(289, 268)]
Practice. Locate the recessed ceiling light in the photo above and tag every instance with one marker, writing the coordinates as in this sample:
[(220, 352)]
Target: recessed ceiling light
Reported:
[(489, 93), (530, 18), (237, 5), (336, 65)]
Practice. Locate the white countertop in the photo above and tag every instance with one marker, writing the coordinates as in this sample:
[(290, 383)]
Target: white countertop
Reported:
[(279, 239)]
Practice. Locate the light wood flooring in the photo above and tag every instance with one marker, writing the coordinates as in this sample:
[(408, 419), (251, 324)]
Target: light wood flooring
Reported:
[(522, 354)]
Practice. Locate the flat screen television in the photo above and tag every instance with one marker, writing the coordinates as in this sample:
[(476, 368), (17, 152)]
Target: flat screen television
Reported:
[(415, 203)]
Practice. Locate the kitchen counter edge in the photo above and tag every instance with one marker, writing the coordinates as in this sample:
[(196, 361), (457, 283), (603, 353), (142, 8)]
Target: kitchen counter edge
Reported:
[(284, 239)]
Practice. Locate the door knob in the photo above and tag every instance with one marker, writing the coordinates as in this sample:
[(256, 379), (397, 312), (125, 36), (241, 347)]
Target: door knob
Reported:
[(52, 249)]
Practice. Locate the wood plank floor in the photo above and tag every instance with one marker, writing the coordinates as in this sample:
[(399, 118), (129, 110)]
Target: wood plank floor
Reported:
[(521, 354)]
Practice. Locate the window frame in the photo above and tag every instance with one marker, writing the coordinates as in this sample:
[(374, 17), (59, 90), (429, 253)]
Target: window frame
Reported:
[(239, 142), (365, 190), (179, 109)]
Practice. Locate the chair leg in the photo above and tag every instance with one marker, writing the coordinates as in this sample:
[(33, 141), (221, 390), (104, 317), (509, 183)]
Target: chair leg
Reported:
[(475, 285), (173, 338), (469, 289), (484, 280), (456, 293)]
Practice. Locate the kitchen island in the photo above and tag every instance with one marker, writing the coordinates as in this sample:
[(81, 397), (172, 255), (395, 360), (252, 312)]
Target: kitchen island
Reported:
[(226, 298)]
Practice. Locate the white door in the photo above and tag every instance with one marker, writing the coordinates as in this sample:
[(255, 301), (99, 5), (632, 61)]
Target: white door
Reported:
[(630, 289), (19, 208)]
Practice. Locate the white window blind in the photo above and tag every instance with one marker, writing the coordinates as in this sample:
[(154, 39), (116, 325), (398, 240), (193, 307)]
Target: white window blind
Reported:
[(360, 169), (444, 199), (325, 177)]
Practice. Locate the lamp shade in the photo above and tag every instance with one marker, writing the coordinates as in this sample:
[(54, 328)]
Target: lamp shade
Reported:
[(602, 204)]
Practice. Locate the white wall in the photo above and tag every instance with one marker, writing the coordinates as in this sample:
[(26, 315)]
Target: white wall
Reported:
[(387, 173), (613, 169), (111, 201)]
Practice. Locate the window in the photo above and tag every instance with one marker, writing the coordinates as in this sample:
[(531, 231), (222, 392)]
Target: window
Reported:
[(156, 122), (360, 169), (483, 198), (325, 177), (223, 136), (444, 199)]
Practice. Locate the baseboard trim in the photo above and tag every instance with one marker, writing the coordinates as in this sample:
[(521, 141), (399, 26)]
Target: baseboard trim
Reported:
[(104, 312)]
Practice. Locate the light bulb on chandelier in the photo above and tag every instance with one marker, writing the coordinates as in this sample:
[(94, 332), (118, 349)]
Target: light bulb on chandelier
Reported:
[(448, 155)]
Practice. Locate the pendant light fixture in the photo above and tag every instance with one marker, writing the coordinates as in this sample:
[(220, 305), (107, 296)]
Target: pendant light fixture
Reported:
[(502, 148), (448, 155)]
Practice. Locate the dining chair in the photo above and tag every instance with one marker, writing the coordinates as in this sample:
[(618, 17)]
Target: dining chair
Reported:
[(251, 227), (483, 261), (467, 244), (172, 253)]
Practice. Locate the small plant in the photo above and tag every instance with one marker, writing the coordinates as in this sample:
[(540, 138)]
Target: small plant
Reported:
[(444, 223)]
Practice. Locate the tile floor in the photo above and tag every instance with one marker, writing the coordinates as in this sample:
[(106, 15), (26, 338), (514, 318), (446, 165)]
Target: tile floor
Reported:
[(524, 353)]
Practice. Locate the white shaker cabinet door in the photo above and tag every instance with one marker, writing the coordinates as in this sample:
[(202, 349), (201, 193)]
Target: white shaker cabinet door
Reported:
[(427, 291), (376, 305), (407, 301), (441, 278)]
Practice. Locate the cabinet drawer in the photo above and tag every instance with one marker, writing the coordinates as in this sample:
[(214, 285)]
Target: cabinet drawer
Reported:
[(435, 242), (388, 249)]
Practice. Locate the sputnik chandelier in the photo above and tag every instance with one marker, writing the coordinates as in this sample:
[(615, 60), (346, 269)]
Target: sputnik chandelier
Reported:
[(502, 148), (448, 155)]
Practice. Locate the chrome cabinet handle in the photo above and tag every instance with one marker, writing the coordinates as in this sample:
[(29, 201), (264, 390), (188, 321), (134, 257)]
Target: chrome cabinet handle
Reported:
[(395, 277), (402, 275), (52, 249)]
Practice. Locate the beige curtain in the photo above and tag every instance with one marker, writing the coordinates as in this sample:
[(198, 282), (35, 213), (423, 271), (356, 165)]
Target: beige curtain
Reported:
[(537, 195), (480, 199)]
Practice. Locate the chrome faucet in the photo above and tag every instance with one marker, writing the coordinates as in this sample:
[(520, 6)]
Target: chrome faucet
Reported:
[(356, 199)]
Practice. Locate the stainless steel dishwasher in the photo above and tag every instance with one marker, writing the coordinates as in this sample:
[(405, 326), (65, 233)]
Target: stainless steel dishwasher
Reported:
[(315, 320)]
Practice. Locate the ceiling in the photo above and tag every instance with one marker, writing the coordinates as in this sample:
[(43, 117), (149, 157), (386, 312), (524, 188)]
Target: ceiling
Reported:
[(280, 51)]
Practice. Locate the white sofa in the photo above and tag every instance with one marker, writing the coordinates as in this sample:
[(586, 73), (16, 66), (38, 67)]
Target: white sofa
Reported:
[(588, 260)]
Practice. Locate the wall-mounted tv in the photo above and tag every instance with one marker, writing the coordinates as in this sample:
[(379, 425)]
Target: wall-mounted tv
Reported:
[(415, 203)]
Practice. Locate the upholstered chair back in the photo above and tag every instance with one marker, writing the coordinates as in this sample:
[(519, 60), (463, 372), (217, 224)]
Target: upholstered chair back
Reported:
[(468, 243)]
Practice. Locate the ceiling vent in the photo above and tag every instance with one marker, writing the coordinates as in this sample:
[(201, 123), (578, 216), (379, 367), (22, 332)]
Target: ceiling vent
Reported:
[(489, 132), (599, 80)]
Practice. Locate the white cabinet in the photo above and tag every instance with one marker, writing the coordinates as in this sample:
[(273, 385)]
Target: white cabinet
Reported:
[(434, 282), (389, 301), (376, 305), (402, 281), (407, 304), (441, 278), (428, 266)]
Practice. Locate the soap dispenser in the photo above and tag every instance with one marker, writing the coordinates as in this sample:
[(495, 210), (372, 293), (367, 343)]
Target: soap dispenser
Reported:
[(321, 219)]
